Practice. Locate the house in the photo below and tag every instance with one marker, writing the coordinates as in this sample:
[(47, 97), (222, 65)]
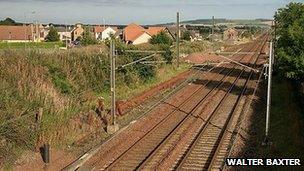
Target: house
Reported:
[(172, 31), (230, 34), (77, 31), (44, 31), (155, 30), (26, 33), (103, 32), (136, 34), (65, 33), (195, 36)]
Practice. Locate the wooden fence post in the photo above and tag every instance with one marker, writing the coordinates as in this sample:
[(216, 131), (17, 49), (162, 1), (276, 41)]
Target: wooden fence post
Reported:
[(38, 127)]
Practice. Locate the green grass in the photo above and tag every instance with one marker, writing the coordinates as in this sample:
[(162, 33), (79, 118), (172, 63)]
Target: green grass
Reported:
[(43, 45), (170, 71)]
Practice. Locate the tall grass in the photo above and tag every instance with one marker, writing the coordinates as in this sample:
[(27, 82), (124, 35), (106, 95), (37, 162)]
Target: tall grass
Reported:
[(20, 45), (64, 84)]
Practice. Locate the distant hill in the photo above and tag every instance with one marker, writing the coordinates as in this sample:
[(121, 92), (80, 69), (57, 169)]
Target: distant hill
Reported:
[(255, 22), (205, 21), (10, 22)]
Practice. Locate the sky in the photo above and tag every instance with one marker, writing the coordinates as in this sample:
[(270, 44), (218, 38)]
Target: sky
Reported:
[(139, 11)]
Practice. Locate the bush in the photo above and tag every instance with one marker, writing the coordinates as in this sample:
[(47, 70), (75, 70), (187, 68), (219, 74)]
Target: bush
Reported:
[(168, 56), (186, 35), (289, 48), (161, 38), (87, 38), (53, 35)]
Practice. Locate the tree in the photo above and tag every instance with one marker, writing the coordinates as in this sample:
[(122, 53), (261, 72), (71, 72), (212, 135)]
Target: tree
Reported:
[(8, 21), (290, 45), (186, 35), (53, 35), (161, 38), (87, 38)]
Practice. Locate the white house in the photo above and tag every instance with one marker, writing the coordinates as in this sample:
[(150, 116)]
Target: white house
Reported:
[(103, 33), (65, 33), (142, 38)]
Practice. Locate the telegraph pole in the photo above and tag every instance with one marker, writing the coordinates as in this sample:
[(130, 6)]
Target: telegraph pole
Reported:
[(212, 33), (112, 56), (178, 38), (66, 36), (275, 28), (266, 141)]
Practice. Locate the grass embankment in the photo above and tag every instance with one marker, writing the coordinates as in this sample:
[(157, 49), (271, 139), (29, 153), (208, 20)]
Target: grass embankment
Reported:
[(42, 45), (286, 125), (65, 84)]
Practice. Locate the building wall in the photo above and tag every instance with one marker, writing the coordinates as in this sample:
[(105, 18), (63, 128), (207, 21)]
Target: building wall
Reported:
[(144, 38), (107, 32), (97, 35), (230, 34), (77, 32), (29, 33), (16, 41), (63, 35)]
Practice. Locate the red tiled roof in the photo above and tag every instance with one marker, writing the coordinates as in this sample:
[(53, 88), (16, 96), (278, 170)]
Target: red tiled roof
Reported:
[(133, 31), (99, 29), (155, 30), (15, 33)]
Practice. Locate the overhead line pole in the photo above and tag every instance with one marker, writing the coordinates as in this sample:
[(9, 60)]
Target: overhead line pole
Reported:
[(178, 38), (212, 33), (112, 56), (269, 93)]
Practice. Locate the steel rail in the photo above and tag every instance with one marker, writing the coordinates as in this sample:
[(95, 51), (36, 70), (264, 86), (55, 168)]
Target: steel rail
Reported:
[(154, 128), (159, 123), (209, 120), (162, 101), (183, 121), (228, 123), (144, 162)]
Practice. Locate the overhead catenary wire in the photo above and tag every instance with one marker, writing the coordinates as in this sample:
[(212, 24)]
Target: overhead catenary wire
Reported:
[(143, 51), (245, 113), (134, 62)]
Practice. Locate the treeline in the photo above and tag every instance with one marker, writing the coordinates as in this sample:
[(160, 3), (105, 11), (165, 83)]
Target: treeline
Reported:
[(9, 21), (290, 42)]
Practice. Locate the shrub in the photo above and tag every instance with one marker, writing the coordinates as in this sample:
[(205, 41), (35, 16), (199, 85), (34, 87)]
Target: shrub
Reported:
[(290, 49), (53, 35), (186, 36), (161, 38), (87, 38)]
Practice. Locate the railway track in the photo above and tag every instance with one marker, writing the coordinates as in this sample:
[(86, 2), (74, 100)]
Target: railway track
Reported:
[(208, 150), (197, 117)]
